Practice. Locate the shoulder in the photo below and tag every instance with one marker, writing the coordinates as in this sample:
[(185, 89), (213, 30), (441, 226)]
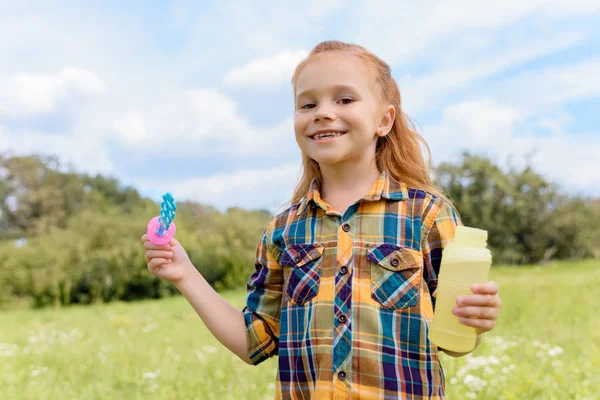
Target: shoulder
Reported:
[(279, 223), (431, 207)]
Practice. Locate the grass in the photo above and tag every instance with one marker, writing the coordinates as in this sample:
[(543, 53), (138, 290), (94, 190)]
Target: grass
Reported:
[(545, 346)]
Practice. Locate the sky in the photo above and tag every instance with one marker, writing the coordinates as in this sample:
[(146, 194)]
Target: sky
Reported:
[(195, 98)]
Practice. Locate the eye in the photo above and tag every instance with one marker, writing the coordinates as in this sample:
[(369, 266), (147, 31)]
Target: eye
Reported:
[(307, 106), (346, 100)]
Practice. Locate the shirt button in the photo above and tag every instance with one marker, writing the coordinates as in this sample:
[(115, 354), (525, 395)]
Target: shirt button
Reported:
[(346, 227), (395, 262), (344, 270), (297, 258), (342, 318), (342, 375)]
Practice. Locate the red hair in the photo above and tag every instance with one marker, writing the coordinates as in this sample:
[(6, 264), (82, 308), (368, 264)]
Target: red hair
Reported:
[(400, 152)]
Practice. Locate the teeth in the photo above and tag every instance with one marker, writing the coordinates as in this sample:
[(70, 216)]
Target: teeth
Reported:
[(327, 134)]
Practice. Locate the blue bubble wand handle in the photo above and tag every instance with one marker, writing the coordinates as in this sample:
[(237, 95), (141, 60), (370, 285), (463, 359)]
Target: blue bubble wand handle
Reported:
[(162, 228)]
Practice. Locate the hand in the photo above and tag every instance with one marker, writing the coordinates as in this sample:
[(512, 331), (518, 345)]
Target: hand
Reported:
[(169, 262), (480, 309)]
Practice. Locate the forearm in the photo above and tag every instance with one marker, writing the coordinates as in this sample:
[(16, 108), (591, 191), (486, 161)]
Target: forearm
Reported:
[(224, 321), (455, 354)]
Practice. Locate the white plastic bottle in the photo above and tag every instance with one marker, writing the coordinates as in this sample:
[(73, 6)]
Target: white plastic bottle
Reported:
[(465, 261)]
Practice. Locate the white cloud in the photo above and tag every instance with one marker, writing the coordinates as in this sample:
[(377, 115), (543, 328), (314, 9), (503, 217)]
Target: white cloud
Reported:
[(538, 91), (562, 9), (251, 188), (490, 128), (266, 72), (198, 122), (322, 8), (408, 31), (429, 91), (190, 116), (458, 61), (26, 95), (87, 153)]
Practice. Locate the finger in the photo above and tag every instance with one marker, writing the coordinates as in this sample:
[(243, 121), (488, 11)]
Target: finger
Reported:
[(148, 245), (482, 325), (476, 312), (156, 263), (174, 242), (434, 294), (483, 300), (159, 254), (485, 288), (144, 237)]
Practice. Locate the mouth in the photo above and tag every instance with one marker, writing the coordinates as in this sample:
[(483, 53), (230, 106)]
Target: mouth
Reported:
[(325, 135)]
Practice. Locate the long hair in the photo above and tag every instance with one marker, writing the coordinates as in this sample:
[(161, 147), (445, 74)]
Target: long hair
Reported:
[(400, 152)]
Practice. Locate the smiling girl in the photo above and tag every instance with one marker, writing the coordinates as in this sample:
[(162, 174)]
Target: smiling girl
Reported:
[(344, 278)]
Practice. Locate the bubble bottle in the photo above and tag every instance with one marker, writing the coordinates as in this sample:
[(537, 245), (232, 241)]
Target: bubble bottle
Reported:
[(465, 261), (161, 229)]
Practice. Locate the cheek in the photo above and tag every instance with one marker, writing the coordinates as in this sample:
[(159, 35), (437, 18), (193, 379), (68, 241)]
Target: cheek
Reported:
[(300, 123)]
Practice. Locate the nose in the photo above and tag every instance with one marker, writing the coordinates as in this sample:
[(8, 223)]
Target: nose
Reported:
[(324, 112)]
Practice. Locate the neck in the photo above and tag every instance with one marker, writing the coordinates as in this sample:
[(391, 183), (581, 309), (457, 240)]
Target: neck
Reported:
[(350, 182)]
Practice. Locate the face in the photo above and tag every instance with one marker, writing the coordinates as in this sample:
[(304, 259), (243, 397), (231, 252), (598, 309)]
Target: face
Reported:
[(339, 115)]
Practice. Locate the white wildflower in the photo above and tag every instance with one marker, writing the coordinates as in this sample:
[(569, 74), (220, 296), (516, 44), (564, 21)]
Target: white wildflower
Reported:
[(8, 350), (151, 375), (38, 371), (474, 383), (150, 327), (101, 357), (209, 349), (555, 351)]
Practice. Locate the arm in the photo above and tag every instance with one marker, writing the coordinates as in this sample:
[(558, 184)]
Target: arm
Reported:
[(480, 309), (263, 303), (224, 321), (251, 334), (442, 222)]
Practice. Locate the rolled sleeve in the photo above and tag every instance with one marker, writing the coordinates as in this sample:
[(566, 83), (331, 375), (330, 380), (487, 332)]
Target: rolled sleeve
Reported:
[(442, 230), (263, 302)]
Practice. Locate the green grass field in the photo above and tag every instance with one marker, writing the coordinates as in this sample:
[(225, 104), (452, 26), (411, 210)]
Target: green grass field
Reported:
[(546, 346)]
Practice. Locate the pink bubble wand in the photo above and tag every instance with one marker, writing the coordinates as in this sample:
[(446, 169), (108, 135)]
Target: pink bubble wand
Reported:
[(161, 229)]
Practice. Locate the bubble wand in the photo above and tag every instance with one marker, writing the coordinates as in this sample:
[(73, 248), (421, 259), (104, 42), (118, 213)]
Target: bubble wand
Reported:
[(161, 229)]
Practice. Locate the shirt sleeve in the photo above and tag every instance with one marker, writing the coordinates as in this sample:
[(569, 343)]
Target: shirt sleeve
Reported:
[(445, 221), (263, 302)]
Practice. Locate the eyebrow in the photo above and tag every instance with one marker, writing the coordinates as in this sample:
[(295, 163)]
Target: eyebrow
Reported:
[(334, 87)]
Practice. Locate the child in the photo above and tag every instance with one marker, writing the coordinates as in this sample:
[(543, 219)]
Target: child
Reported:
[(344, 277)]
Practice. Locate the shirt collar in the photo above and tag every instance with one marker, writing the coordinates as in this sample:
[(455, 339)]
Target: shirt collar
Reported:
[(382, 188)]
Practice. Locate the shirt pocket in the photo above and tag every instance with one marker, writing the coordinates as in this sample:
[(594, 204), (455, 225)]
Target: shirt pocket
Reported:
[(304, 262), (395, 275)]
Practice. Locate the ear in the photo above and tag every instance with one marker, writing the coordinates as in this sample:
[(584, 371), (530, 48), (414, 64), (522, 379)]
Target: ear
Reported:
[(387, 120)]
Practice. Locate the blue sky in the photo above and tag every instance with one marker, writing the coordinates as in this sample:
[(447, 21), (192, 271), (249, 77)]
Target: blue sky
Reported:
[(195, 97)]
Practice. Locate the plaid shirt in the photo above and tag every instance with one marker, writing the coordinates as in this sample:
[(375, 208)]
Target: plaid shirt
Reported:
[(344, 300)]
